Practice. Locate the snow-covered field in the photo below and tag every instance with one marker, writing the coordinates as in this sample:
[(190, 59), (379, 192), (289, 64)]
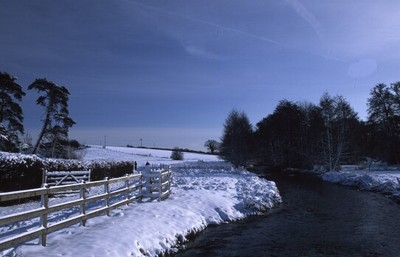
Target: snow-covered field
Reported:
[(387, 182), (141, 155), (205, 191)]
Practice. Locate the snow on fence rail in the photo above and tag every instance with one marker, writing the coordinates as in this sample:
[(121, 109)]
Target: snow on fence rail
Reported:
[(116, 192)]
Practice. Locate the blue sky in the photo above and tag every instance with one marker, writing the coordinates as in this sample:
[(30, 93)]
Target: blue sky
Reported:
[(169, 72)]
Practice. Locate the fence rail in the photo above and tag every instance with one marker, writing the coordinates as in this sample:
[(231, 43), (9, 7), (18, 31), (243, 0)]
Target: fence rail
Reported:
[(156, 182)]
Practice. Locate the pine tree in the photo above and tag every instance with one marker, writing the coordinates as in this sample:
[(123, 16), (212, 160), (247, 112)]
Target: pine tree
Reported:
[(56, 122), (11, 117)]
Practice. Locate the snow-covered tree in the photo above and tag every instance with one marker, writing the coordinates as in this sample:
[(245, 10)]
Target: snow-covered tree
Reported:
[(11, 117)]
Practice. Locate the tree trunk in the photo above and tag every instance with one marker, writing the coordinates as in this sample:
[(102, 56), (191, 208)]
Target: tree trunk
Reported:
[(42, 132)]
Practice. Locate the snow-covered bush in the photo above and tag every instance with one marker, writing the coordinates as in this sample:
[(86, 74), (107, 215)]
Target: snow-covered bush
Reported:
[(60, 164), (18, 172)]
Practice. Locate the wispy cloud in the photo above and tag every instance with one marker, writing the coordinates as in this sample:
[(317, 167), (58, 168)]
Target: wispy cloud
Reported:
[(197, 51), (305, 14), (208, 23), (317, 27), (329, 57)]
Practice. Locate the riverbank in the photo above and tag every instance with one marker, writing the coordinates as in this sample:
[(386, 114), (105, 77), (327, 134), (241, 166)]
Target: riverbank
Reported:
[(386, 181)]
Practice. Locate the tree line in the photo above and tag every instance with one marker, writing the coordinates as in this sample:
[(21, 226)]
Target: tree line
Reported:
[(53, 138), (325, 135)]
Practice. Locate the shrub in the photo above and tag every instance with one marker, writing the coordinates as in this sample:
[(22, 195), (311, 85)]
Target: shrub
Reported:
[(177, 154)]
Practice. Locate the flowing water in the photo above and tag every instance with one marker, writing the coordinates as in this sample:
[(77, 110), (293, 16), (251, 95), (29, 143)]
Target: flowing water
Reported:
[(315, 219)]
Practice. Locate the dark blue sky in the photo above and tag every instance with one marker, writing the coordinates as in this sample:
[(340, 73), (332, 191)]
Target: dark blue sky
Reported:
[(169, 72)]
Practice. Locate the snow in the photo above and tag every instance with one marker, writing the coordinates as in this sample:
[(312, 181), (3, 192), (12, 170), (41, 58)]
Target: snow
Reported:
[(141, 155), (205, 191), (386, 181)]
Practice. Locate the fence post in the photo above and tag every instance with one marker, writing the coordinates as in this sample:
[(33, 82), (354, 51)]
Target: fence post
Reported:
[(83, 204), (44, 177), (169, 180), (148, 180), (141, 187), (127, 187), (90, 174), (44, 199), (160, 185), (107, 197)]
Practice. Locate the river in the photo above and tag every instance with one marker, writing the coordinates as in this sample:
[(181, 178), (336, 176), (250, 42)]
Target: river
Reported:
[(315, 219)]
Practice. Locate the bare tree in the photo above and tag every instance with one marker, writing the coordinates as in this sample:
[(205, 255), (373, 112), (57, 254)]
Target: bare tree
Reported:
[(212, 145), (384, 118), (337, 115)]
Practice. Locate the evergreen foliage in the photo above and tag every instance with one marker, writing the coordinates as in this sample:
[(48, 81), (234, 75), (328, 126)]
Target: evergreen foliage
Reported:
[(281, 137), (11, 117), (236, 139), (53, 136)]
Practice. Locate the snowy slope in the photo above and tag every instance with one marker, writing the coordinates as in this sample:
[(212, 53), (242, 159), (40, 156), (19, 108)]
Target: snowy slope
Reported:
[(205, 191)]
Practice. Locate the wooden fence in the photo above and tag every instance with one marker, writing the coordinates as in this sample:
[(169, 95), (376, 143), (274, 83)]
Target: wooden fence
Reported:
[(56, 178), (116, 192), (157, 183)]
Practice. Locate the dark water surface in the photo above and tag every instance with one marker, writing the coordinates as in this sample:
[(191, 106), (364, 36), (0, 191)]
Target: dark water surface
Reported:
[(315, 219)]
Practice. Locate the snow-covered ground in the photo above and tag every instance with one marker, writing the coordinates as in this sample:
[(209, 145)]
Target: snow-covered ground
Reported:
[(141, 155), (385, 181), (205, 191)]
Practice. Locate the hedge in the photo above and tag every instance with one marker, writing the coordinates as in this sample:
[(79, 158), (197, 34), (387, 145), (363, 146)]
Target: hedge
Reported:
[(20, 172)]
